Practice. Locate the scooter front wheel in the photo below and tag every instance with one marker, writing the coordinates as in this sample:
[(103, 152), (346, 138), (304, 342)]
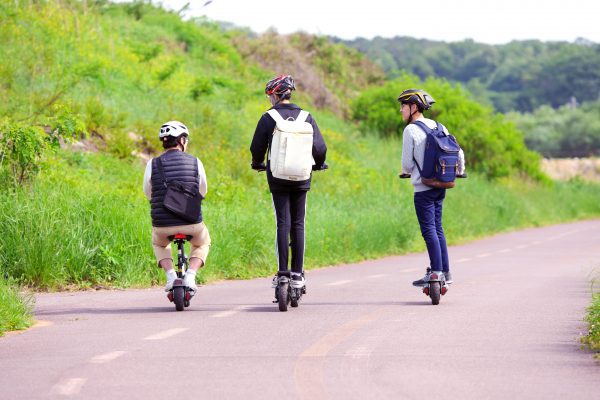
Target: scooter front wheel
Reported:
[(295, 297)]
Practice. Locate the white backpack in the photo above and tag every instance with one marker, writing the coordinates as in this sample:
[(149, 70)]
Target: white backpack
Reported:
[(291, 148)]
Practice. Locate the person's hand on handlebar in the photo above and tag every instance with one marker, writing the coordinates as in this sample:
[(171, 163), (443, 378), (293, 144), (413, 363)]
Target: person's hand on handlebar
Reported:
[(259, 167), (321, 167)]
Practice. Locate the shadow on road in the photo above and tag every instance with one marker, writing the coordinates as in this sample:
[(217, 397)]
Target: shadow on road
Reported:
[(116, 311)]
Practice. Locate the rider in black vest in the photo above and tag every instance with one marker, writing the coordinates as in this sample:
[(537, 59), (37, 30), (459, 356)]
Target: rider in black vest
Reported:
[(177, 166)]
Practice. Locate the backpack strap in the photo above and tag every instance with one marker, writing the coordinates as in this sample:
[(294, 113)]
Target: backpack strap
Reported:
[(278, 118), (427, 131), (275, 115), (423, 126), (302, 116), (159, 166)]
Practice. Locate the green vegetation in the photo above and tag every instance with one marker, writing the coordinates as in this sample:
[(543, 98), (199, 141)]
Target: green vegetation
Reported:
[(15, 307), (331, 73), (592, 339), (108, 75), (520, 75), (541, 83), (46, 244), (492, 144), (565, 132)]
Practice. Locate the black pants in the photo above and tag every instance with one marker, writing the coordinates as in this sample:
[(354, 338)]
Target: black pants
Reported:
[(290, 209)]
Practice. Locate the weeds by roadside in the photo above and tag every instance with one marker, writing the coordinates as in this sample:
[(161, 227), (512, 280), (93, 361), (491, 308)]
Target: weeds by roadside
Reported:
[(592, 339), (15, 307)]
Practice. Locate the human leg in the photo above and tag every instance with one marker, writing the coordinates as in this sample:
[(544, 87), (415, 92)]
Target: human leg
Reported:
[(438, 205), (281, 205), (200, 243), (297, 242), (425, 210), (298, 214), (162, 251)]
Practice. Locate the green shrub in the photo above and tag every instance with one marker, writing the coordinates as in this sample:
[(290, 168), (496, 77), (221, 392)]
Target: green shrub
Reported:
[(492, 144)]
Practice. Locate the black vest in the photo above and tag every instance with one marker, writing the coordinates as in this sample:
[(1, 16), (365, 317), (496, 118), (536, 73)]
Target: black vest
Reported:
[(177, 166)]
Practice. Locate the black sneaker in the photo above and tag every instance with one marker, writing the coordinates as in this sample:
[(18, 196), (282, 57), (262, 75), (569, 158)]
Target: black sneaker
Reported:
[(423, 281), (298, 281), (448, 277)]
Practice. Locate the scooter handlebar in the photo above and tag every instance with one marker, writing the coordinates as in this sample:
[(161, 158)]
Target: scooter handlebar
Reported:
[(323, 167), (263, 167), (406, 176), (259, 167)]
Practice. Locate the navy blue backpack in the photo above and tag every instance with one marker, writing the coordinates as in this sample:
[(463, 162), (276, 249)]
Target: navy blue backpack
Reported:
[(440, 166)]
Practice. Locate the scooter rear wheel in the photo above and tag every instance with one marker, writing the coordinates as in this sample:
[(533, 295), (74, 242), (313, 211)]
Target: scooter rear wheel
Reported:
[(178, 297), (434, 292), (283, 297)]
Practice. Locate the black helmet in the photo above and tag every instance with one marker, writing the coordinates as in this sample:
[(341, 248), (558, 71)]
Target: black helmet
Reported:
[(416, 96), (280, 85)]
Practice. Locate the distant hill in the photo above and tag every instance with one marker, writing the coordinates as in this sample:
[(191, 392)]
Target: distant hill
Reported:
[(521, 75)]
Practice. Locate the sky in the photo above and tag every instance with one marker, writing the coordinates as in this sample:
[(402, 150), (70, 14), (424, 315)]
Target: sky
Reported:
[(492, 22)]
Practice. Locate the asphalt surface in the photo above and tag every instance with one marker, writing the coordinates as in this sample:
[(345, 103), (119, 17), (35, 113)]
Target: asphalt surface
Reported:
[(509, 328)]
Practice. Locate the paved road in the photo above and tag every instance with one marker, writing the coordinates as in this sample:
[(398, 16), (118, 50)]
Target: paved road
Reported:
[(508, 329)]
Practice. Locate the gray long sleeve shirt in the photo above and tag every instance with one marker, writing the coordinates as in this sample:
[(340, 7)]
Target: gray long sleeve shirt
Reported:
[(413, 145)]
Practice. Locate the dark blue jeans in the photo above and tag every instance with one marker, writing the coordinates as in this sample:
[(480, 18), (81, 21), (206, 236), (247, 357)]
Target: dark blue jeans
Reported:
[(428, 205)]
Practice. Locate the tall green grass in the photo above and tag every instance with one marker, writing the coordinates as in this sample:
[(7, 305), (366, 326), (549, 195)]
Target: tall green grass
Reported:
[(85, 222), (15, 307), (592, 339)]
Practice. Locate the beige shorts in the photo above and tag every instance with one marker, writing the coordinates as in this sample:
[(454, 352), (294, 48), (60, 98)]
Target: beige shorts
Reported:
[(200, 240)]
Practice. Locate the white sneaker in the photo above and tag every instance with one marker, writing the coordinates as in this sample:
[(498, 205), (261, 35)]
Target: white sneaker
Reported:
[(190, 280), (170, 280)]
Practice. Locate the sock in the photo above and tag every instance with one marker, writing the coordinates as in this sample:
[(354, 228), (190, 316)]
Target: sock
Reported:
[(190, 272), (171, 274)]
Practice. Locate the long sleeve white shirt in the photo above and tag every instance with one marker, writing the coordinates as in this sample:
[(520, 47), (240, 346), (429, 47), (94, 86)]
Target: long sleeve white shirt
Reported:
[(202, 187), (413, 146)]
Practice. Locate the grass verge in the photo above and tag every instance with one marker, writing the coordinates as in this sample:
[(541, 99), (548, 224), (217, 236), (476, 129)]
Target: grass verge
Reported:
[(15, 307), (592, 339)]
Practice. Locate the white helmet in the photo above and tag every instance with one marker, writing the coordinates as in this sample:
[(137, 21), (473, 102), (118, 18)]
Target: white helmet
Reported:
[(173, 128)]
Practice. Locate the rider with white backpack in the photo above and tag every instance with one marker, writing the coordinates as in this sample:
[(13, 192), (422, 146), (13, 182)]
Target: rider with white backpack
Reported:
[(294, 146)]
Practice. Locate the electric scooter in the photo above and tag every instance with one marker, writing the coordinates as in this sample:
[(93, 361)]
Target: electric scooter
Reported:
[(285, 294), (180, 294)]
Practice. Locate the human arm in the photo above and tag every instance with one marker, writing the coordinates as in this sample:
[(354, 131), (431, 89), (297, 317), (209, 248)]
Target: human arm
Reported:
[(260, 140), (147, 185), (203, 184), (319, 150), (408, 162), (461, 163)]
